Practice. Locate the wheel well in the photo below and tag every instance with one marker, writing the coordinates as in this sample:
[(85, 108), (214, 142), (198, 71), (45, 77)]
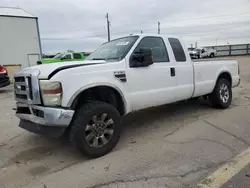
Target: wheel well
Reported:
[(225, 75), (100, 93)]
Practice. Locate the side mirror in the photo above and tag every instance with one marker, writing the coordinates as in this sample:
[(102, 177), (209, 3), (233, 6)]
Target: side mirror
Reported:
[(143, 58)]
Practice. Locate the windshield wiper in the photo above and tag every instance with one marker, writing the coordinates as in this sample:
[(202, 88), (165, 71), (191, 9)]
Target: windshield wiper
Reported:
[(113, 58), (106, 59)]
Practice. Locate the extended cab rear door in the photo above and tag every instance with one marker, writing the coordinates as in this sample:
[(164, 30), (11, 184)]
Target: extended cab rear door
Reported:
[(153, 85), (77, 57), (184, 72)]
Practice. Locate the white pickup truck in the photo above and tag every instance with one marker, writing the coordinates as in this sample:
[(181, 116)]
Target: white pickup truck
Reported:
[(202, 52), (87, 99)]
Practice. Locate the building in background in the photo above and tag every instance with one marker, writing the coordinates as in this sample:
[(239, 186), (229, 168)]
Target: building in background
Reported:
[(20, 43)]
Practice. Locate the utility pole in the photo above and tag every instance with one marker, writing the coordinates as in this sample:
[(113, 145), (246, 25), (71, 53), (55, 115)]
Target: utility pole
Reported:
[(108, 25), (159, 30), (141, 31)]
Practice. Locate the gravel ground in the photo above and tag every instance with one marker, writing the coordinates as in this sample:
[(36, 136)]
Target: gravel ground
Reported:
[(169, 146)]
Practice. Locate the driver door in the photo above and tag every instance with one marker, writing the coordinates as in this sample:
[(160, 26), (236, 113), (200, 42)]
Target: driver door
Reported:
[(204, 52), (153, 85)]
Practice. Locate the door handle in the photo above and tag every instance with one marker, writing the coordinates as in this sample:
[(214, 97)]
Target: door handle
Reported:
[(172, 71)]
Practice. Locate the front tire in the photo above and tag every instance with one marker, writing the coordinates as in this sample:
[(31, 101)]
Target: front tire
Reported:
[(221, 97), (212, 55), (95, 129)]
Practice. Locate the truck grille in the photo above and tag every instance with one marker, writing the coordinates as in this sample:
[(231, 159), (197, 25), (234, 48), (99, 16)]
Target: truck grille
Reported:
[(20, 79), (27, 89), (21, 96)]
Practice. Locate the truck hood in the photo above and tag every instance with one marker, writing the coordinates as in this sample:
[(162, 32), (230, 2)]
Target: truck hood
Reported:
[(46, 70)]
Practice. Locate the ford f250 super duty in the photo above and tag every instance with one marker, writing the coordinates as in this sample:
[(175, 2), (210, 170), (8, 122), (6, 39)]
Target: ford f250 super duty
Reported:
[(87, 100)]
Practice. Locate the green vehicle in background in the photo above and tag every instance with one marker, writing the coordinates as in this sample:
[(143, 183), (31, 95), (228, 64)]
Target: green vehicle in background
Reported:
[(61, 57)]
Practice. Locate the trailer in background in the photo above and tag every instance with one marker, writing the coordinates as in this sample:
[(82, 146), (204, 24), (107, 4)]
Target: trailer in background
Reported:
[(20, 44)]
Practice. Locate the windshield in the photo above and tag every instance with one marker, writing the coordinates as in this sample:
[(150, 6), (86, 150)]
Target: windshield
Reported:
[(58, 56), (113, 50)]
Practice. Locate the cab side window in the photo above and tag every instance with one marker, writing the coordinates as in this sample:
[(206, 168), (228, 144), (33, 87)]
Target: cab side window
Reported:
[(178, 51), (67, 56), (156, 44)]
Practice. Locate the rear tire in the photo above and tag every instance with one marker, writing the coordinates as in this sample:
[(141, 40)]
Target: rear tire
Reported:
[(95, 129), (212, 55), (221, 97)]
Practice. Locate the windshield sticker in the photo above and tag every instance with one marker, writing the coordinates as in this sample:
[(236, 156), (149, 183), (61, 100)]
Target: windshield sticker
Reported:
[(122, 43)]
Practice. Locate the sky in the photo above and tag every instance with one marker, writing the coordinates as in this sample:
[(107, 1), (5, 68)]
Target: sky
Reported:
[(80, 25)]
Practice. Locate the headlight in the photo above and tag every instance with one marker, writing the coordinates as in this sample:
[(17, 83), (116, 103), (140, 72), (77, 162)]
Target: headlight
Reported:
[(51, 93)]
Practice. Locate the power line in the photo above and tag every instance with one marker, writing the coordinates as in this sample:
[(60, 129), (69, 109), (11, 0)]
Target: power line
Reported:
[(199, 34), (117, 33), (224, 38), (171, 21), (188, 26), (192, 18), (80, 38)]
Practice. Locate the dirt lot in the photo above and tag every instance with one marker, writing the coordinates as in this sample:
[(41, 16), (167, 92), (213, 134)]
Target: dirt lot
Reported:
[(170, 146)]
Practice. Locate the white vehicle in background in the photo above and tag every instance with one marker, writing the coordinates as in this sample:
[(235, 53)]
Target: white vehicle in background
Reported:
[(202, 52), (122, 76)]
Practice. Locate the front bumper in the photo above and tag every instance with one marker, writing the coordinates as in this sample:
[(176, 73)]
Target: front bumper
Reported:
[(194, 56), (4, 80), (44, 116), (54, 132)]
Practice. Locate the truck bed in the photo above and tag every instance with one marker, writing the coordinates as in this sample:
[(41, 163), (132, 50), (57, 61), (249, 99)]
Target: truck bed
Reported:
[(206, 71)]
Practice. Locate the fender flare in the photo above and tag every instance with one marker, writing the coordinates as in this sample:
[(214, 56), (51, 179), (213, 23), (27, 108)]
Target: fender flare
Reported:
[(99, 84), (222, 72)]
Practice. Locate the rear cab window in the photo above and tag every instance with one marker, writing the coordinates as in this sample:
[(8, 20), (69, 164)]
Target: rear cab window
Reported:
[(77, 56), (178, 51)]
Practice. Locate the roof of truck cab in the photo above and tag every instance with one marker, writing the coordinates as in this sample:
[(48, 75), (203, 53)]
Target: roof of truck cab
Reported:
[(14, 12), (154, 35)]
